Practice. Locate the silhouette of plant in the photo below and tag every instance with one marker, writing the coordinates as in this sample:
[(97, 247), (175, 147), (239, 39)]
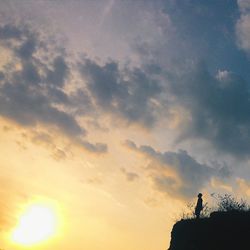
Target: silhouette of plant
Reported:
[(228, 203), (190, 214), (206, 211), (225, 203)]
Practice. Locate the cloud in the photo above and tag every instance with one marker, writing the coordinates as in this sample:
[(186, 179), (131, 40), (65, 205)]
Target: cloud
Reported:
[(29, 106), (243, 25), (25, 92), (204, 30), (47, 140), (205, 74), (26, 50), (32, 87), (41, 137), (219, 109), (215, 99), (130, 176), (9, 31), (122, 92), (95, 148), (177, 173), (60, 71), (243, 186), (59, 155)]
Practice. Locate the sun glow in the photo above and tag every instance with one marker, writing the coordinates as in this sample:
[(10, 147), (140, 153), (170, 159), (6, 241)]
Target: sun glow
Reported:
[(36, 224)]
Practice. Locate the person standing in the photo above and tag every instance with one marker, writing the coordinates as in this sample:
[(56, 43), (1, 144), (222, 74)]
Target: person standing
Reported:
[(199, 206)]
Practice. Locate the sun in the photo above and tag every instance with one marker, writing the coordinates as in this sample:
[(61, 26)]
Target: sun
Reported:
[(36, 224)]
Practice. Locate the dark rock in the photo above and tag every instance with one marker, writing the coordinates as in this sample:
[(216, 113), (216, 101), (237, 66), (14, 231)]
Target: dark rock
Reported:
[(221, 231)]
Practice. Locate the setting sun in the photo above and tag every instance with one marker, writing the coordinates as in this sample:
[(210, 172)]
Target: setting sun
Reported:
[(36, 224)]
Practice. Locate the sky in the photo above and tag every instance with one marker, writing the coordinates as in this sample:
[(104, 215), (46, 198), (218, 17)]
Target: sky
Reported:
[(118, 113)]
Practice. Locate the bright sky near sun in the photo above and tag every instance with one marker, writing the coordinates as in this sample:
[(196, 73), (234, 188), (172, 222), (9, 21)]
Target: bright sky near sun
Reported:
[(36, 224), (115, 114)]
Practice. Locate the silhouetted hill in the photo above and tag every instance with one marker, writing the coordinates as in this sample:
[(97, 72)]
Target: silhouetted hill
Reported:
[(221, 231)]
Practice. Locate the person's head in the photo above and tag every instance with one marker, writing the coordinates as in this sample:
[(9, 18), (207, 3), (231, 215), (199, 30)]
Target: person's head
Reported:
[(199, 195)]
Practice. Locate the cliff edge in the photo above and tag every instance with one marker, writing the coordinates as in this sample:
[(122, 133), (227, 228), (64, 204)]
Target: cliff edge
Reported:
[(220, 231)]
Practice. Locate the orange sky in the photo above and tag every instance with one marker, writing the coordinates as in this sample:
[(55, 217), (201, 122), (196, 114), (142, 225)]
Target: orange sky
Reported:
[(97, 209)]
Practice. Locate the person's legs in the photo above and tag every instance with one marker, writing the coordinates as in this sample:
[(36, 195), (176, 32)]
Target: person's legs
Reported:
[(197, 213)]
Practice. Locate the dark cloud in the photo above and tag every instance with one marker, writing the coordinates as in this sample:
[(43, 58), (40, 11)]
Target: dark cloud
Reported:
[(26, 95), (29, 106), (27, 48), (29, 73), (58, 96), (192, 176), (204, 21), (130, 176), (95, 148), (206, 30), (58, 75), (30, 93), (219, 107), (224, 172), (127, 93), (1, 75), (217, 103), (9, 31)]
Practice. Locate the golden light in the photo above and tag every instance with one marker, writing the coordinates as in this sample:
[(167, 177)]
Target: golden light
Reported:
[(38, 223)]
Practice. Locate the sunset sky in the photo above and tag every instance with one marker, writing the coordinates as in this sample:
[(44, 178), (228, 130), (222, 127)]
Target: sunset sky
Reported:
[(115, 114)]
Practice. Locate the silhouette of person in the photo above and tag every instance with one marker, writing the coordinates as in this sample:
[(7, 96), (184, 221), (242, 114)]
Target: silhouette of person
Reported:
[(199, 206)]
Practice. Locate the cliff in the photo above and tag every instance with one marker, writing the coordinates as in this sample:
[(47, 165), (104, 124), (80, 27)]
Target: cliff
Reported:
[(221, 231)]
